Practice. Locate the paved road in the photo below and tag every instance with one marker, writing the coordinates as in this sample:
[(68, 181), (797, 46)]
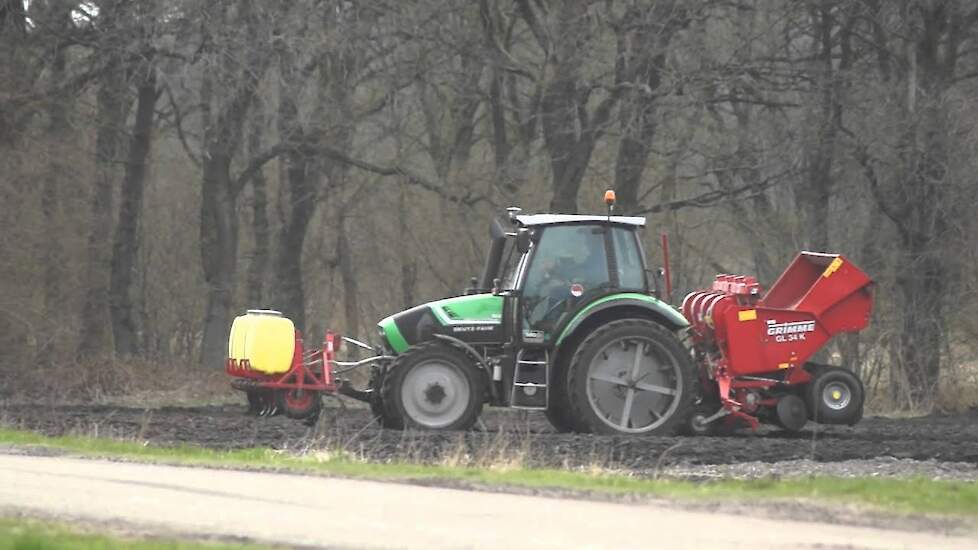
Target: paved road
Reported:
[(300, 510)]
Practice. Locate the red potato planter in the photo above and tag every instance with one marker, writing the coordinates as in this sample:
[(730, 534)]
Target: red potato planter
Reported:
[(754, 348)]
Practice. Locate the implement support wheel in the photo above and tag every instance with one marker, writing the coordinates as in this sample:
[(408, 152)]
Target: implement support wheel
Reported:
[(835, 396), (300, 404)]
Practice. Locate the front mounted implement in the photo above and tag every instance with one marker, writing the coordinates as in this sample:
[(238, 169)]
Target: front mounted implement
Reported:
[(268, 361)]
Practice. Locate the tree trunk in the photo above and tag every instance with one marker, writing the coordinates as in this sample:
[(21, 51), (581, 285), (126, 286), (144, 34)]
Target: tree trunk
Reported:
[(409, 265), (218, 255), (288, 259), (925, 203), (569, 148), (95, 321), (259, 222), (922, 287), (813, 193), (125, 246), (344, 255), (53, 252), (638, 130), (300, 197), (219, 194), (638, 116), (570, 132), (928, 206)]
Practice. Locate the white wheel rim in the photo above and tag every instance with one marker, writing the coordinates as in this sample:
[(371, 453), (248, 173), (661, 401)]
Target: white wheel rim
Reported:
[(634, 384), (836, 396), (435, 394)]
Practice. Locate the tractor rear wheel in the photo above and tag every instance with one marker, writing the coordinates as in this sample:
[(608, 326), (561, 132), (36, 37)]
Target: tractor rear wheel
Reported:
[(435, 387), (835, 396), (631, 376), (559, 411)]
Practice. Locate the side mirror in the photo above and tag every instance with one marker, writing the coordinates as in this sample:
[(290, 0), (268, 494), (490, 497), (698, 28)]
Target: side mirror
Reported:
[(523, 241)]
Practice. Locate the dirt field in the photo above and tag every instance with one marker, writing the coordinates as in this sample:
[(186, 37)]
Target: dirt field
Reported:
[(527, 439)]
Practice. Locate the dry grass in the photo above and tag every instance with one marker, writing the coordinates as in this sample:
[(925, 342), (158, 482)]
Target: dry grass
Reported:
[(957, 393), (126, 382), (959, 389)]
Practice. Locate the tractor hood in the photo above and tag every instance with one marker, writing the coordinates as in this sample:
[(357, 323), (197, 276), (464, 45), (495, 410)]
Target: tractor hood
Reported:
[(475, 319)]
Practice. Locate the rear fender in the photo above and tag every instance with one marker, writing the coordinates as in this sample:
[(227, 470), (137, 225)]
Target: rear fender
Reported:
[(654, 307), (610, 308)]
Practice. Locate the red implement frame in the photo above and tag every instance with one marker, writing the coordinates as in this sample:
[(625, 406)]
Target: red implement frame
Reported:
[(312, 371), (756, 343)]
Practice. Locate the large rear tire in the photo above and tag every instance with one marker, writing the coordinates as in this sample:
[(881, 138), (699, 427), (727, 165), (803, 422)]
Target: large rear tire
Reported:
[(631, 376), (435, 387), (559, 411)]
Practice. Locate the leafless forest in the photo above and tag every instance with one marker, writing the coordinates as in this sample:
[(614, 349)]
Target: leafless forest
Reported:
[(165, 164)]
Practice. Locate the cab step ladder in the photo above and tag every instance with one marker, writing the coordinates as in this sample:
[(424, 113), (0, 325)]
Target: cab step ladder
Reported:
[(531, 380)]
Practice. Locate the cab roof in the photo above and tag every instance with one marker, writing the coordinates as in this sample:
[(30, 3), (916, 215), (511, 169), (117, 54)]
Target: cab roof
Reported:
[(532, 220)]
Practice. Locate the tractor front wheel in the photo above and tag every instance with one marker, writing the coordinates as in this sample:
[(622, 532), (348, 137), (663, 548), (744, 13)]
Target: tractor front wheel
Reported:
[(383, 414), (435, 387), (631, 376)]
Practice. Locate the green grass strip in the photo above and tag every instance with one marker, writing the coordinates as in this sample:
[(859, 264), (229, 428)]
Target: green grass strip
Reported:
[(916, 495), (28, 534)]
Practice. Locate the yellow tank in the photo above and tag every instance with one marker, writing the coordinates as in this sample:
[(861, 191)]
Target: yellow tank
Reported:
[(265, 339), (239, 328)]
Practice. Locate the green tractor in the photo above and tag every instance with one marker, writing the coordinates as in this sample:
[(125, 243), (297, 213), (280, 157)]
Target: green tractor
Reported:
[(566, 319)]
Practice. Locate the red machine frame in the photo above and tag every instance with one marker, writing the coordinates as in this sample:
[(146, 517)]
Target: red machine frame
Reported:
[(749, 342), (312, 371)]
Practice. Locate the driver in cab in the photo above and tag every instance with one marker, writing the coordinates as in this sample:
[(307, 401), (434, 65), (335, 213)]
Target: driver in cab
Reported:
[(571, 262)]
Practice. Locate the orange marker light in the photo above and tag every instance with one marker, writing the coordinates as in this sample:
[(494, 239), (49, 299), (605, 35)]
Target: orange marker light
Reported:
[(609, 197)]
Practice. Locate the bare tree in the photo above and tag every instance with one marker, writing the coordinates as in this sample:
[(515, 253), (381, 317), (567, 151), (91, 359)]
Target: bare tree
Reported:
[(113, 105), (229, 88), (920, 48), (125, 242)]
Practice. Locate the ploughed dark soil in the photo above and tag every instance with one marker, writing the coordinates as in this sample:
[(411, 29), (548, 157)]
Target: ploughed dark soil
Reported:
[(511, 436)]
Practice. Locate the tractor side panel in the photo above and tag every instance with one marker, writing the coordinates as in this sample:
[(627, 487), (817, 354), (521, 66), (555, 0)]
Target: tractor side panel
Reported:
[(761, 340), (474, 319)]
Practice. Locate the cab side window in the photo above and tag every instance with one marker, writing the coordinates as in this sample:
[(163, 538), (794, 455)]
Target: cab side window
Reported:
[(565, 255), (631, 271)]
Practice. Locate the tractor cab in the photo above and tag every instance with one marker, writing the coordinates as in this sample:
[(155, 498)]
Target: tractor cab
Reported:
[(550, 265)]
